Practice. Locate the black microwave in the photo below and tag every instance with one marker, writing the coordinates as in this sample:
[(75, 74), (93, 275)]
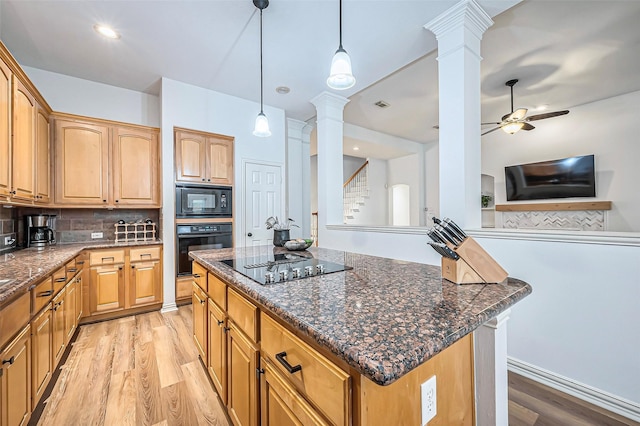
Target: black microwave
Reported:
[(203, 201)]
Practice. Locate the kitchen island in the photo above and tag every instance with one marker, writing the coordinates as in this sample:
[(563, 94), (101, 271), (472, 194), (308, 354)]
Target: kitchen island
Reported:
[(384, 322)]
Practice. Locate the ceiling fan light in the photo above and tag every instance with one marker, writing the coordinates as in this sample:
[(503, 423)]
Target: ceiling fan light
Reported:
[(512, 128), (341, 77), (261, 128)]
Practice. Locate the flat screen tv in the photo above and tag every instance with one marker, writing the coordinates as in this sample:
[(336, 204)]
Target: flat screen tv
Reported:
[(564, 178)]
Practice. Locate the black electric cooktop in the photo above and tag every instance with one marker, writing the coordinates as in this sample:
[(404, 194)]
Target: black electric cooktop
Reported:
[(283, 267)]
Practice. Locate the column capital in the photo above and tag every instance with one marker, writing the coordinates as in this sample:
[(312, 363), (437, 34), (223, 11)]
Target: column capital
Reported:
[(296, 126), (329, 105), (467, 14)]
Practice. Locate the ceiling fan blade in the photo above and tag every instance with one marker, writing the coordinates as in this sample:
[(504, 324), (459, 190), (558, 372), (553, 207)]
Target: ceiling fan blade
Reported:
[(547, 115), (518, 114), (494, 123), (527, 126), (489, 131)]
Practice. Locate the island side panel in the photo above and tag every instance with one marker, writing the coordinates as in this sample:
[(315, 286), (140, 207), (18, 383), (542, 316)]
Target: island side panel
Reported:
[(400, 402)]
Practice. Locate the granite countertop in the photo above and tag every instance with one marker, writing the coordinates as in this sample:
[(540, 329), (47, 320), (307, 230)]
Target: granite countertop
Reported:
[(384, 317), (20, 269)]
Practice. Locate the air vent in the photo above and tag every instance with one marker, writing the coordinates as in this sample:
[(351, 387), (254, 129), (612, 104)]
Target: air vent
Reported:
[(381, 104)]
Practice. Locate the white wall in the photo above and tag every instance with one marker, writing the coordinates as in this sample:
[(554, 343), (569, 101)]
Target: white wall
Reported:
[(409, 171), (83, 97), (350, 165), (606, 128), (432, 179), (375, 210)]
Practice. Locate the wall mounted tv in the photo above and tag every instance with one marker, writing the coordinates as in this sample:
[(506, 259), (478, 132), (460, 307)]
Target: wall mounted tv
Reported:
[(564, 178)]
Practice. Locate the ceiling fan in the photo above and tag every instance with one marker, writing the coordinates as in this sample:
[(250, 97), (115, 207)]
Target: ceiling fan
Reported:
[(517, 120)]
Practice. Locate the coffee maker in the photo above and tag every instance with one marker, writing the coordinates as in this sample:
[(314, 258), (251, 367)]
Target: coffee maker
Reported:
[(39, 232)]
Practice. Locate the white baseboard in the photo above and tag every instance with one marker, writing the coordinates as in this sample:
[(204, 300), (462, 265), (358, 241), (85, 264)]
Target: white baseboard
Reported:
[(584, 392), (169, 307)]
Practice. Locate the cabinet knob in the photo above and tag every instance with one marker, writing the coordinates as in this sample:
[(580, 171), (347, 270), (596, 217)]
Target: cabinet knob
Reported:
[(120, 268), (9, 361), (117, 201), (104, 201), (203, 179), (225, 329), (208, 180), (220, 322), (12, 192), (249, 234)]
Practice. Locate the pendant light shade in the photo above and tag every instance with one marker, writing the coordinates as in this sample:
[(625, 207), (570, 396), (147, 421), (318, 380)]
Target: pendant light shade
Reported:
[(341, 77), (511, 128), (261, 128)]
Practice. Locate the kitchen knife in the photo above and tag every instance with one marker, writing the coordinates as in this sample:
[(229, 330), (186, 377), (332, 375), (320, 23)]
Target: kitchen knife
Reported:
[(451, 230), (445, 250), (436, 220), (456, 227), (435, 236), (438, 248), (448, 236)]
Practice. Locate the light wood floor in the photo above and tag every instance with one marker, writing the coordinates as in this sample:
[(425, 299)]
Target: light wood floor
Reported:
[(144, 370)]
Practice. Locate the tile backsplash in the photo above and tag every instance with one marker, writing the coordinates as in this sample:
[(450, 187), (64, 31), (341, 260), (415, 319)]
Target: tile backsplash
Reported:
[(76, 225), (7, 225)]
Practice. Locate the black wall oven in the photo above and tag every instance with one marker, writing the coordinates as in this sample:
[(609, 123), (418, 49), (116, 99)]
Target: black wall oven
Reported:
[(201, 236), (203, 201)]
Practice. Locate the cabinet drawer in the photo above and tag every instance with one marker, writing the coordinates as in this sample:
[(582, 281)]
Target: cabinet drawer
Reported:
[(321, 381), (144, 253), (59, 280), (243, 313), (199, 275), (217, 291), (107, 257), (41, 295), (13, 317), (71, 269)]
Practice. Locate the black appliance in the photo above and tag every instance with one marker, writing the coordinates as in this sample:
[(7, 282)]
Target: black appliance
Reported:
[(38, 231), (283, 267), (203, 201), (567, 177), (201, 236)]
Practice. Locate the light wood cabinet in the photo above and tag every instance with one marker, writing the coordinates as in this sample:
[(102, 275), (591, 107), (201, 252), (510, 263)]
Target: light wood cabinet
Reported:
[(136, 166), (5, 130), (199, 303), (242, 383), (58, 327), (41, 353), (70, 310), (23, 144), (145, 283), (217, 349), (15, 381), (281, 403), (100, 164), (42, 157), (79, 296), (107, 288), (203, 157), (82, 163)]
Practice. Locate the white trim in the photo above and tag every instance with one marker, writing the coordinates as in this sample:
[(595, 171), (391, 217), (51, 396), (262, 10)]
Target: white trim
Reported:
[(580, 237), (613, 403), (169, 307), (417, 230)]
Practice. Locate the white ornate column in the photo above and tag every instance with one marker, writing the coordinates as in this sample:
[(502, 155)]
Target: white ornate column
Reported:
[(459, 32), (330, 109), (490, 365)]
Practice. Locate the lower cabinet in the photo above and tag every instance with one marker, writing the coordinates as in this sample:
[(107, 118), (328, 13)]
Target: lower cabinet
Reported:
[(41, 353), (107, 288), (281, 403), (199, 303), (242, 390), (70, 310), (15, 381), (217, 349), (145, 283), (58, 326)]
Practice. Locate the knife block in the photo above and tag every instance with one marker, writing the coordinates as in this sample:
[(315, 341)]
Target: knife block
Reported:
[(474, 266)]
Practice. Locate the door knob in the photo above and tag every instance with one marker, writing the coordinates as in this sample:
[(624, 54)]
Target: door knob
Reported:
[(249, 234)]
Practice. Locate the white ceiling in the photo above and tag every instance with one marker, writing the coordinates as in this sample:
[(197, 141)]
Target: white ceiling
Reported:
[(565, 53)]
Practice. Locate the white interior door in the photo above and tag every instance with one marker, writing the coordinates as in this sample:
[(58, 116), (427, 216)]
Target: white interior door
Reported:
[(262, 199)]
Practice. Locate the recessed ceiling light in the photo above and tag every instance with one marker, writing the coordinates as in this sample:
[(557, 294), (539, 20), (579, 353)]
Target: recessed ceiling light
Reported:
[(283, 90), (355, 148), (106, 31)]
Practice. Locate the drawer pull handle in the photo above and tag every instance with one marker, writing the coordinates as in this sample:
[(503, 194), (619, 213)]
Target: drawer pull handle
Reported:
[(220, 322), (107, 258), (9, 361), (146, 254), (45, 293), (72, 270), (291, 369), (61, 280), (196, 276), (80, 262)]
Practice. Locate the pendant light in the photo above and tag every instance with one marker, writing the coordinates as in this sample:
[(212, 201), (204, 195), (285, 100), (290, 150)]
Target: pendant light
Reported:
[(261, 128), (341, 77)]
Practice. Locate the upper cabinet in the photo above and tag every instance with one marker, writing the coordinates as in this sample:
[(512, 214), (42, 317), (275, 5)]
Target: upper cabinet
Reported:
[(104, 164), (43, 161), (5, 130), (23, 149), (203, 157)]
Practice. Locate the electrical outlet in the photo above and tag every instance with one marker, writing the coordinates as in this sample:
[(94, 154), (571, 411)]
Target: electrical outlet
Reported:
[(429, 400), (7, 241), (95, 235)]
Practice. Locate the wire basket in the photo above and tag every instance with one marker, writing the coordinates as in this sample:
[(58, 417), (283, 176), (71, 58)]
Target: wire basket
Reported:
[(130, 232)]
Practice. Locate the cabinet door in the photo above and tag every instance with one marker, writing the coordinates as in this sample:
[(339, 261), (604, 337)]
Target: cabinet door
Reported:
[(282, 405), (41, 356), (217, 363), (23, 152), (42, 160), (79, 301), (220, 160), (191, 155), (136, 167), (5, 130), (81, 167), (15, 381), (242, 383), (58, 327), (106, 289), (145, 283), (199, 304), (70, 319)]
